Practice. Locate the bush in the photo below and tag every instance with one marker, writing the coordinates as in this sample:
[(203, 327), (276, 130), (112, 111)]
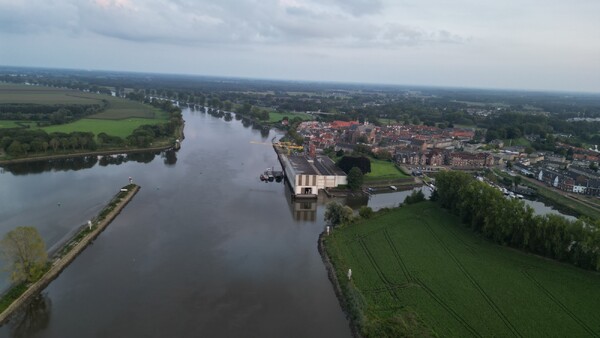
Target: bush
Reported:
[(365, 212), (336, 214)]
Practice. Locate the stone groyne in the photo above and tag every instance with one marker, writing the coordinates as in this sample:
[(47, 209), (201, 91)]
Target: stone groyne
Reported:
[(72, 248)]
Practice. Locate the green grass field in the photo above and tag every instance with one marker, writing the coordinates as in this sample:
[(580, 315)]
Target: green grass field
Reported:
[(10, 124), (121, 128), (417, 271), (276, 117), (521, 141), (383, 170)]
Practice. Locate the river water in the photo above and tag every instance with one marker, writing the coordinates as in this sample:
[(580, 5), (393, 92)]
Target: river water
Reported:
[(204, 249)]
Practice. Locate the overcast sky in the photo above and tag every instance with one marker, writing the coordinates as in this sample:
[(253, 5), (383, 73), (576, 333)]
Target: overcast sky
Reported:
[(521, 44)]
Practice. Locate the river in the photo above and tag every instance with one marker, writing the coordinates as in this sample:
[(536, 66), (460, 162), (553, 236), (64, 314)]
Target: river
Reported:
[(204, 249)]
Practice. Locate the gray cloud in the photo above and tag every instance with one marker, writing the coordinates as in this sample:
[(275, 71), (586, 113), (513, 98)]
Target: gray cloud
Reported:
[(360, 7), (328, 22)]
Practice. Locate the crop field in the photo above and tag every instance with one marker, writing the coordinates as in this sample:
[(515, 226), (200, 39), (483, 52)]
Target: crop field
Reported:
[(15, 93), (417, 270), (384, 170), (119, 109)]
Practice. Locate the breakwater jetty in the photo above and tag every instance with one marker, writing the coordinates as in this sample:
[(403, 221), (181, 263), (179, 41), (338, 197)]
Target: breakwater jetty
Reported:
[(72, 248)]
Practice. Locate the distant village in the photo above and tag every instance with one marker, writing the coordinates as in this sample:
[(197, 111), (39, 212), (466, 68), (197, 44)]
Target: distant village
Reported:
[(423, 149)]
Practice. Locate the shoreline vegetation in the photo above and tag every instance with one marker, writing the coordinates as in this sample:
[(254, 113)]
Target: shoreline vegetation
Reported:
[(19, 295), (417, 270)]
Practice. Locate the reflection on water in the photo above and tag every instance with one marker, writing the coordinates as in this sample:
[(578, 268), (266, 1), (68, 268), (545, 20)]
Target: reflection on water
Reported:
[(170, 157), (32, 318), (62, 164), (302, 209), (87, 162)]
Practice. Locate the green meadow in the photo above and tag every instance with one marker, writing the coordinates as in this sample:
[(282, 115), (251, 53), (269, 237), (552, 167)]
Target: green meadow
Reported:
[(383, 170)]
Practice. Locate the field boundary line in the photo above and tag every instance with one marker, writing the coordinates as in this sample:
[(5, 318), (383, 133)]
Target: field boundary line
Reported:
[(446, 307), (563, 307), (474, 282), (378, 270), (399, 259)]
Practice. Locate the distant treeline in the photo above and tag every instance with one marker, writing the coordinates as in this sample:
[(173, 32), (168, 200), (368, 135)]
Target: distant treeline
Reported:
[(48, 114), (18, 142), (510, 222)]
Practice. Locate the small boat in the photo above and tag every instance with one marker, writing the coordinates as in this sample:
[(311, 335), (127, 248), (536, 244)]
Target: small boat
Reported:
[(393, 187)]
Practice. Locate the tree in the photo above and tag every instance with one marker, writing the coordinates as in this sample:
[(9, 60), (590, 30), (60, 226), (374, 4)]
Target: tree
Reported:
[(15, 148), (25, 252), (336, 214), (355, 178), (517, 179), (346, 163), (54, 143)]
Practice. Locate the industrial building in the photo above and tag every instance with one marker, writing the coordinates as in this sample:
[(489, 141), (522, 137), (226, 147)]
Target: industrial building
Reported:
[(307, 176)]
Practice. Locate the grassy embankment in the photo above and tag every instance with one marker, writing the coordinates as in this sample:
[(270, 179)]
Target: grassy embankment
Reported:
[(66, 254), (418, 272), (578, 206)]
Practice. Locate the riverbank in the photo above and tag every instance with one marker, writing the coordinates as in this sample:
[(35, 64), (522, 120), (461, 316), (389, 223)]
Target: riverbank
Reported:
[(72, 248), (331, 274), (86, 153)]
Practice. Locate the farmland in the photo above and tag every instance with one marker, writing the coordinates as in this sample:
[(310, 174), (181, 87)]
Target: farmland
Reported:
[(119, 118), (16, 93), (417, 271)]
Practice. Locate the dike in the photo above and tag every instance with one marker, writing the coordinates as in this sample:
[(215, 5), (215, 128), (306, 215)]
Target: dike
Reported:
[(70, 250)]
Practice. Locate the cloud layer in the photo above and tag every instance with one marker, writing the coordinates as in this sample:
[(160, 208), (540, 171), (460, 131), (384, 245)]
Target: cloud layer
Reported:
[(532, 44), (338, 22)]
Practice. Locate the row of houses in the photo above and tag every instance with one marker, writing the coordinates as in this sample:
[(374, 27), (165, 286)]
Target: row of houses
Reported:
[(435, 157), (570, 181)]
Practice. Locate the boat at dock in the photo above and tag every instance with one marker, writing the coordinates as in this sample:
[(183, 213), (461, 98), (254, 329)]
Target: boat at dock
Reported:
[(271, 175)]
